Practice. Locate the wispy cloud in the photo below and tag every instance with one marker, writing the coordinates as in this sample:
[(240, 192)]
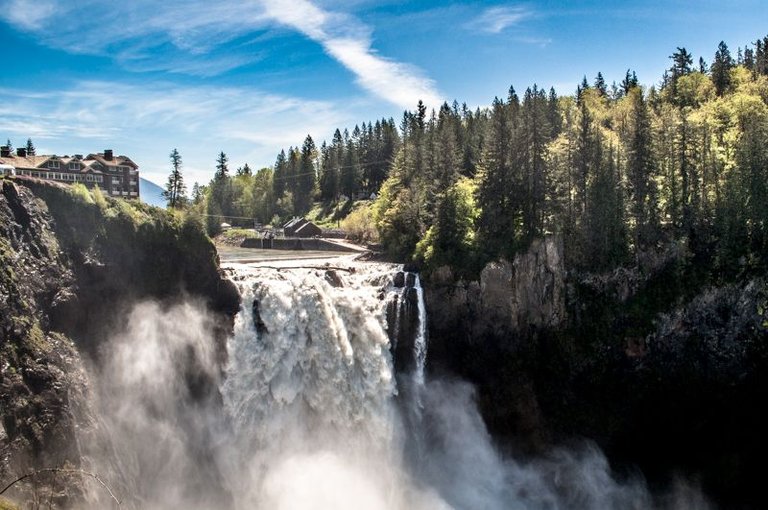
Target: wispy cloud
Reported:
[(28, 14), (349, 42), (495, 20), (246, 123), (190, 36)]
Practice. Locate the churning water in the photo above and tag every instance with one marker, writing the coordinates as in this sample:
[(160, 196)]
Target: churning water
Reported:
[(308, 414)]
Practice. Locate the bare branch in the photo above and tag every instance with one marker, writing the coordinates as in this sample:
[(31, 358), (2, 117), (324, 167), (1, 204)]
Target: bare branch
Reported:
[(81, 472)]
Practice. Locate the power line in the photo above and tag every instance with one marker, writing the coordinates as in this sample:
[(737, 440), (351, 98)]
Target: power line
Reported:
[(368, 163)]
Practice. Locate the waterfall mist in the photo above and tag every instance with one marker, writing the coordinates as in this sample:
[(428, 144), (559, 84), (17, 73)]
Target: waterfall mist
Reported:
[(308, 413)]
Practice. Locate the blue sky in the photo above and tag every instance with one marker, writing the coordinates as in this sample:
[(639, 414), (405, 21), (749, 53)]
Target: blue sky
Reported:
[(251, 77)]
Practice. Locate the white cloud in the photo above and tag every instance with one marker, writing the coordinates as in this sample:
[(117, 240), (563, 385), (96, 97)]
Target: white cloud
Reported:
[(28, 14), (189, 36), (147, 121), (495, 20)]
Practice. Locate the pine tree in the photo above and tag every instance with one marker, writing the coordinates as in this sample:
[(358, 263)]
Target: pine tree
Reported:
[(220, 200), (640, 175), (175, 190), (30, 147), (535, 134), (721, 68), (222, 168), (553, 114), (496, 225), (305, 177), (604, 223), (629, 82), (280, 175), (244, 170), (600, 85), (197, 193), (703, 69)]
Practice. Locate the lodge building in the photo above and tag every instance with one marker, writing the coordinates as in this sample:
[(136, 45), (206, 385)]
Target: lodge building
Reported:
[(117, 176)]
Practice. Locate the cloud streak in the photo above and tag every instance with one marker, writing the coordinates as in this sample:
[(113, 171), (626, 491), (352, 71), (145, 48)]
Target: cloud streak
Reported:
[(495, 20), (191, 37), (349, 42)]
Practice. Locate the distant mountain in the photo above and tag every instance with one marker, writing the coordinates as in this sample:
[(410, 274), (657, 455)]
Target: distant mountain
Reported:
[(150, 193)]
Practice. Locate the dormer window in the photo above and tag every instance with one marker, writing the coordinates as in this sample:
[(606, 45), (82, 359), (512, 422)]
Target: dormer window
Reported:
[(74, 166), (53, 164)]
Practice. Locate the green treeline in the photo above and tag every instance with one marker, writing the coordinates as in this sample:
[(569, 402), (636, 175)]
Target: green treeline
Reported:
[(618, 171)]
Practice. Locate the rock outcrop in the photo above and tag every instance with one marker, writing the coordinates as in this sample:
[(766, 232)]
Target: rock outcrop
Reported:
[(509, 300)]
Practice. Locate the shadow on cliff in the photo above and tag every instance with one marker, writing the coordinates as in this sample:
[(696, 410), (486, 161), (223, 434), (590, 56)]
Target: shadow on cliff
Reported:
[(665, 374)]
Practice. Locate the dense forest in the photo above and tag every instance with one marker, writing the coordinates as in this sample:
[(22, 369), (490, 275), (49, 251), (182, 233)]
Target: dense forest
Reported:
[(617, 170)]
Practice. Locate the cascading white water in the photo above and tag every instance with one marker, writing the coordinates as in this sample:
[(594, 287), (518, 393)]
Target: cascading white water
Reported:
[(420, 342), (310, 415)]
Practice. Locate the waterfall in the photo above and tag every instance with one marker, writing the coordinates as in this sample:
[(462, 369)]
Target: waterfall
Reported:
[(315, 409), (420, 342)]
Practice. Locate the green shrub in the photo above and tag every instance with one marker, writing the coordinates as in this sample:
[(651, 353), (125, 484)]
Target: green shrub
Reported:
[(359, 225), (80, 192)]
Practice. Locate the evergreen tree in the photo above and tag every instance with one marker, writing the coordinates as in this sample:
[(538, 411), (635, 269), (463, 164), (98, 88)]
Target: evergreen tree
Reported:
[(244, 170), (629, 82), (30, 147), (605, 229), (600, 85), (640, 175), (350, 170), (535, 133), (496, 224), (197, 193), (306, 177), (222, 169), (721, 68), (220, 198), (703, 68), (280, 175), (553, 114), (175, 189)]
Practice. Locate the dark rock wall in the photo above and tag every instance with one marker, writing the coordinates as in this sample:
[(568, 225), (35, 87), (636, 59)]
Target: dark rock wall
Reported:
[(670, 384)]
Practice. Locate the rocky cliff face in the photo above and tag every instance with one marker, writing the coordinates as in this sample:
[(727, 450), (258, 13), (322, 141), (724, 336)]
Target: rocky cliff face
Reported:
[(68, 267), (509, 300), (662, 375)]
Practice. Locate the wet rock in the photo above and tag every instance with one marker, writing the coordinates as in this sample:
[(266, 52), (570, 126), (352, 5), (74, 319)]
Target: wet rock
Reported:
[(64, 310), (411, 267), (227, 296), (257, 321), (410, 280), (399, 280), (333, 278)]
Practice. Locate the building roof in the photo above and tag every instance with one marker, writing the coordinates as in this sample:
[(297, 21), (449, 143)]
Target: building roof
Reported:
[(308, 228), (92, 162)]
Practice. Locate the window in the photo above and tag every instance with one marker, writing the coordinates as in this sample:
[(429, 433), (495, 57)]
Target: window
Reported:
[(99, 178), (123, 168), (89, 178), (53, 164), (74, 166)]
